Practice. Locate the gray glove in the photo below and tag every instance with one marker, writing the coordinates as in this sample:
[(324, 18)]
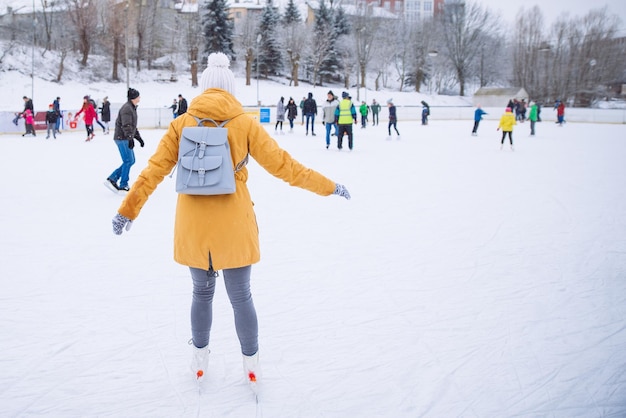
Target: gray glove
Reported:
[(341, 190), (119, 222)]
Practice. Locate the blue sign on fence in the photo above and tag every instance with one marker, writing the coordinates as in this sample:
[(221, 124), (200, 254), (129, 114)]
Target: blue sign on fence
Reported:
[(265, 115)]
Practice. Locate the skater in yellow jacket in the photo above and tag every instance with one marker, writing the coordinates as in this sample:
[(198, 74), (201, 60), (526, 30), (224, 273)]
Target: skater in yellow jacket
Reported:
[(507, 121)]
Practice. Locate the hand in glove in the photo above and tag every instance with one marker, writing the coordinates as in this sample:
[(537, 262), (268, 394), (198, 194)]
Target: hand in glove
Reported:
[(139, 139), (340, 190), (119, 222)]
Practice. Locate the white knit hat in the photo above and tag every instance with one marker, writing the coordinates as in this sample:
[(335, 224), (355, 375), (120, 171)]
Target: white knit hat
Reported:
[(217, 74)]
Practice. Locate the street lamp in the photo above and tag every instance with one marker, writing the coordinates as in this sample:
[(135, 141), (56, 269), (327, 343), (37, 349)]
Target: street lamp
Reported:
[(32, 58), (432, 53), (258, 40), (126, 44)]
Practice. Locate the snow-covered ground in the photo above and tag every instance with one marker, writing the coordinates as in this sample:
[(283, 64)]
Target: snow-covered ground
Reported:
[(459, 281)]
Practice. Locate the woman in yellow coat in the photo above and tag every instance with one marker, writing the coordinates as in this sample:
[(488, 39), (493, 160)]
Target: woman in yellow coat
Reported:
[(507, 121), (220, 232)]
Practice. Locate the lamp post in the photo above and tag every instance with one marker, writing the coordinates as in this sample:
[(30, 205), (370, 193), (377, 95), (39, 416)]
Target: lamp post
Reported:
[(258, 41), (126, 44), (431, 54), (544, 49), (32, 58)]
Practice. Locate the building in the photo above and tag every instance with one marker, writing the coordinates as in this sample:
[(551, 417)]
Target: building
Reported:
[(411, 9), (240, 10), (498, 96), (421, 9)]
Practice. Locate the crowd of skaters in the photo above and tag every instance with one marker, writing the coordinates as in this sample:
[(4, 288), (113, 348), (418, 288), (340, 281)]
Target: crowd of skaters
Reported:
[(88, 109), (514, 112), (338, 114)]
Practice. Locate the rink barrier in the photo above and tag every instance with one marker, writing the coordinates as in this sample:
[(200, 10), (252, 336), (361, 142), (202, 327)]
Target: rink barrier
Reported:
[(159, 118)]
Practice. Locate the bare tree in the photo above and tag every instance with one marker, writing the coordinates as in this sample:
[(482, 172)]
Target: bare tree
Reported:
[(295, 37), (464, 29), (114, 18), (9, 46), (365, 31), (527, 42), (83, 15), (384, 53), (246, 34), (582, 56), (403, 59), (144, 16), (47, 21), (191, 27), (488, 67), (423, 35)]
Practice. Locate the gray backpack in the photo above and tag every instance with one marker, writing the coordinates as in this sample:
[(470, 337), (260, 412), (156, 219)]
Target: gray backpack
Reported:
[(204, 163)]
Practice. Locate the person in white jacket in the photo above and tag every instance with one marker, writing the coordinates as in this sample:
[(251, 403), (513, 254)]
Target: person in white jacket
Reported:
[(328, 118)]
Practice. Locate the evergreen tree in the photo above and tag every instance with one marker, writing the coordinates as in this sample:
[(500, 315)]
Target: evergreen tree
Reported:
[(292, 14), (270, 58), (331, 28), (217, 28), (341, 24)]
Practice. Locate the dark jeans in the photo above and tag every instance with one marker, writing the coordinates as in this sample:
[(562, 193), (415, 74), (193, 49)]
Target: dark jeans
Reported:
[(312, 119), (393, 123), (347, 129), (476, 123)]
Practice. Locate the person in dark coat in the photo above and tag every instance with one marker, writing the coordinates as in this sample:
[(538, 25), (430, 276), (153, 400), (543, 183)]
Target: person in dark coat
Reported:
[(292, 112), (425, 112), (28, 105), (57, 108), (51, 121), (124, 135), (309, 109), (105, 111), (393, 119), (182, 105)]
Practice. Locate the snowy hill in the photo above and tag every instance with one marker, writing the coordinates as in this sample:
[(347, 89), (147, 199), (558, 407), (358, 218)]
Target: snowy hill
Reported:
[(15, 82)]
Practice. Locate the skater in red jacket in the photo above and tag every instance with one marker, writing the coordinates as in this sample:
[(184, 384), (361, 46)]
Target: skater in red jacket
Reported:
[(89, 116)]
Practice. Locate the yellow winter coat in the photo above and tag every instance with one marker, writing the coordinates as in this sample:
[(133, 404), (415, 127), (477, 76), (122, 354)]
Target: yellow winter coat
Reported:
[(507, 121), (221, 227)]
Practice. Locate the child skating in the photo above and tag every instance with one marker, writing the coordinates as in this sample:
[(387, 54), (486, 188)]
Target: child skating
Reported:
[(507, 121)]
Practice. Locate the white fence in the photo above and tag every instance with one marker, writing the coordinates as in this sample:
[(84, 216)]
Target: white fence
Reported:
[(159, 118)]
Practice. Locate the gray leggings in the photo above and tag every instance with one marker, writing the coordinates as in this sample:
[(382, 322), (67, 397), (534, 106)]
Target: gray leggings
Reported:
[(237, 282)]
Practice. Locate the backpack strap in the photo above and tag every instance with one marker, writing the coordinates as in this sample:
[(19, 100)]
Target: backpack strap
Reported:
[(200, 122), (241, 164)]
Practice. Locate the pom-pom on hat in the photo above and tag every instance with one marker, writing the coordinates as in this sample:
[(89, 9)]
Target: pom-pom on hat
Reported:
[(218, 74), (132, 93)]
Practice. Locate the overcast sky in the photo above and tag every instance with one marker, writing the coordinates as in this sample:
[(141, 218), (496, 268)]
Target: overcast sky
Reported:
[(552, 8)]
